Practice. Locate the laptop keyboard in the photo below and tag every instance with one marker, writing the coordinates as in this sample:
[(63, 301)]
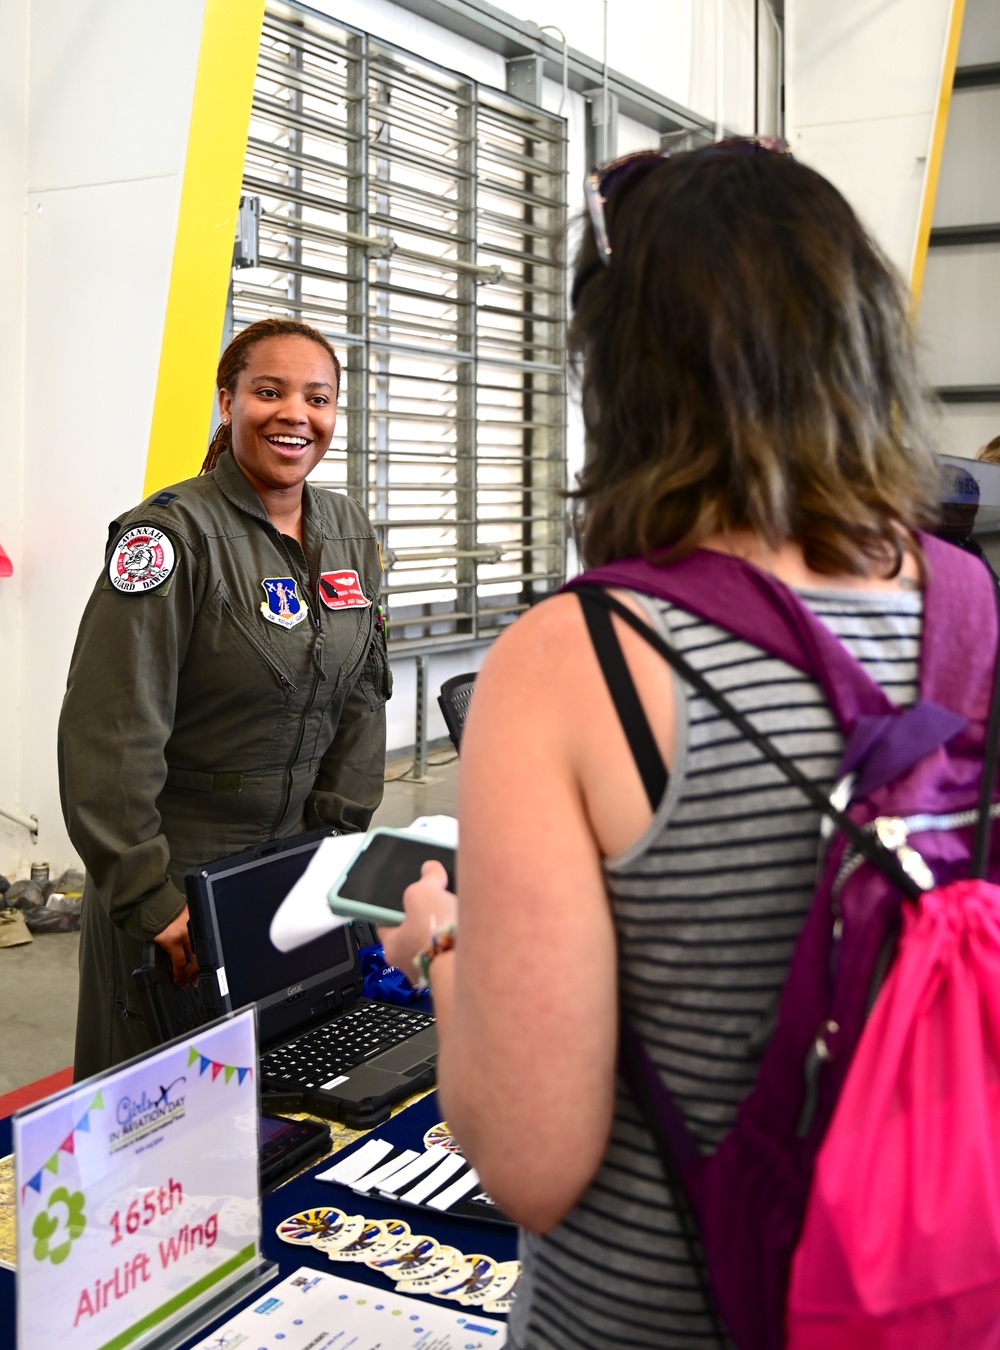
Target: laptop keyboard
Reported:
[(315, 1058)]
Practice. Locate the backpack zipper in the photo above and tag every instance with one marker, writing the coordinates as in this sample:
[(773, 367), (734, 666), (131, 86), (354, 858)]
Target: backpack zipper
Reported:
[(822, 1051), (893, 831)]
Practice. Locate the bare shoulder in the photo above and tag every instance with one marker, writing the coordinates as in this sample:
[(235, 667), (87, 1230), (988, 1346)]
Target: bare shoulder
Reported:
[(532, 680), (550, 637)]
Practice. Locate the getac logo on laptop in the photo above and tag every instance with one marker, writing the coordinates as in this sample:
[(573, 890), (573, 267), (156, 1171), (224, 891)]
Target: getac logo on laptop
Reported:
[(296, 991)]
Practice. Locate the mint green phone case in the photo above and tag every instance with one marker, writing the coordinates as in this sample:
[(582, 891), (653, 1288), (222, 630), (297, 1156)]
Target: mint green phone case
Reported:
[(362, 909)]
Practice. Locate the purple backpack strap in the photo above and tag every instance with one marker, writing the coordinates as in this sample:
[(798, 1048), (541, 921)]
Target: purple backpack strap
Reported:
[(755, 606), (883, 741)]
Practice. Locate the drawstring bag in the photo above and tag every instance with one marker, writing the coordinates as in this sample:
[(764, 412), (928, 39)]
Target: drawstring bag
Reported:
[(900, 1248)]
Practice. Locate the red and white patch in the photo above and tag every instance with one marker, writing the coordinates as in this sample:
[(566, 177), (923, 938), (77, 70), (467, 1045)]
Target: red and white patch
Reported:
[(342, 590), (142, 559)]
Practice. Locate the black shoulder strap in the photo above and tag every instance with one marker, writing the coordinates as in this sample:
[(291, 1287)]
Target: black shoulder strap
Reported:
[(621, 687)]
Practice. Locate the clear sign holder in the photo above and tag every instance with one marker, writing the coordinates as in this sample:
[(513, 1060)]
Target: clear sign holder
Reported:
[(138, 1198), (198, 1320)]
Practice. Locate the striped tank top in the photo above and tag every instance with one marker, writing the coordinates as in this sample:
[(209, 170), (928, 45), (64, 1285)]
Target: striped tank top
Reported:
[(708, 904)]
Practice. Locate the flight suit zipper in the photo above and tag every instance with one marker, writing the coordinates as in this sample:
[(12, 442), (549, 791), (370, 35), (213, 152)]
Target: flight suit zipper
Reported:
[(318, 674)]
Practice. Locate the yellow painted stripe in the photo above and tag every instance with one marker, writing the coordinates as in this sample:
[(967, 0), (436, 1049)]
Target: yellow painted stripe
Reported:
[(203, 249), (936, 151)]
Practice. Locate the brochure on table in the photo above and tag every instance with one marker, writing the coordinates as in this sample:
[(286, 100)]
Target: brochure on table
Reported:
[(314, 1311), (138, 1198)]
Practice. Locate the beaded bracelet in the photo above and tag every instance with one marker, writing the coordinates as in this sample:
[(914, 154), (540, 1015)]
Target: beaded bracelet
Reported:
[(442, 940)]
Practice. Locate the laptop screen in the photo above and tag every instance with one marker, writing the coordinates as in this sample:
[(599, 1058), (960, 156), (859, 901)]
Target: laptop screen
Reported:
[(243, 902)]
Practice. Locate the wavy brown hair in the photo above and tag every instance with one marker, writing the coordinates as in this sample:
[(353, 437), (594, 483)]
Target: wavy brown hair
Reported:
[(234, 360), (746, 361)]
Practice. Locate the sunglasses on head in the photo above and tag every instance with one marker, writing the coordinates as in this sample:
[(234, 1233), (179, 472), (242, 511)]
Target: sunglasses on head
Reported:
[(608, 178)]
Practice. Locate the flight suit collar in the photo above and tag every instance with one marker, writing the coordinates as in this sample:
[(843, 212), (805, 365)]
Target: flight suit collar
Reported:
[(236, 487)]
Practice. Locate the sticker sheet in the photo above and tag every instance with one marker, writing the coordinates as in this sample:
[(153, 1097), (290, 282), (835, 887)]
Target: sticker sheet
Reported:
[(311, 1310)]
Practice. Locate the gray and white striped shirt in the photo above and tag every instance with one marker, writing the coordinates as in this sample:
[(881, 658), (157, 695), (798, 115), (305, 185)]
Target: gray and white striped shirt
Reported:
[(708, 904)]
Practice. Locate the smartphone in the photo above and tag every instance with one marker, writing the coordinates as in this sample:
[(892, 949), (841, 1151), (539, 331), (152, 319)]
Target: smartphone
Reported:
[(372, 886), (286, 1146)]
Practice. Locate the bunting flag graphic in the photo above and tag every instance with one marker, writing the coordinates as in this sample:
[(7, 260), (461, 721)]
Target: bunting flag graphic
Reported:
[(217, 1067), (68, 1145)]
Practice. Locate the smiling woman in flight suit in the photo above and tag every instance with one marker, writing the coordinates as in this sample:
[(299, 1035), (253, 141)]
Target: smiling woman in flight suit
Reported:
[(229, 680)]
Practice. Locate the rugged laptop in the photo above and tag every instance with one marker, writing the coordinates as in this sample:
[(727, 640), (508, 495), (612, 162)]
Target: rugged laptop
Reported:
[(348, 1057)]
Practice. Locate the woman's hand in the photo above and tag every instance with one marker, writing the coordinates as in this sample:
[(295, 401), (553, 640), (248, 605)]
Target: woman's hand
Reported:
[(175, 940), (427, 904)]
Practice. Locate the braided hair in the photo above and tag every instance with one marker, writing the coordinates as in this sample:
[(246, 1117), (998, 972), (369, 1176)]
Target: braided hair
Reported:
[(234, 359)]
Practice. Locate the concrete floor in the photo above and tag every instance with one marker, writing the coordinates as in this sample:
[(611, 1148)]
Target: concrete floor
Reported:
[(38, 982)]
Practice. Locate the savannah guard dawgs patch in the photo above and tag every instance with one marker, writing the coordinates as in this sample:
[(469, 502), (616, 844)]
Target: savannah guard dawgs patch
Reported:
[(283, 606), (342, 590), (142, 559)]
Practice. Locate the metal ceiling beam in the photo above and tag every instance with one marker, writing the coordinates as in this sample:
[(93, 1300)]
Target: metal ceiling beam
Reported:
[(969, 393), (948, 236), (985, 76), (497, 31)]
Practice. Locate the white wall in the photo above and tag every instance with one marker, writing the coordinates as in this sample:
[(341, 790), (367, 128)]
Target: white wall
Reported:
[(89, 192), (96, 99), (13, 159), (862, 83)]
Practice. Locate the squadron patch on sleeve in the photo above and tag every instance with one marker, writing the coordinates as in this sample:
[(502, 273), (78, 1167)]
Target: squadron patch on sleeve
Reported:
[(142, 559), (342, 590)]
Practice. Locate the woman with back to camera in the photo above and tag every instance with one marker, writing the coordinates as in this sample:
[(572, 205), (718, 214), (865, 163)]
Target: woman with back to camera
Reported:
[(749, 389), (229, 680)]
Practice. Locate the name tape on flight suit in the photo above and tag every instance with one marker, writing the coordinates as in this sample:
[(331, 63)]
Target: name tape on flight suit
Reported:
[(142, 559), (342, 590)]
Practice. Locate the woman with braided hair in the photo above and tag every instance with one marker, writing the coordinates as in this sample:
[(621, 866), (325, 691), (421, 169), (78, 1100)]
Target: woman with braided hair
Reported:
[(229, 680)]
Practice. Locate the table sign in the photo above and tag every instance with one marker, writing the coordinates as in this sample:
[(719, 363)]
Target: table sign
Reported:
[(138, 1196)]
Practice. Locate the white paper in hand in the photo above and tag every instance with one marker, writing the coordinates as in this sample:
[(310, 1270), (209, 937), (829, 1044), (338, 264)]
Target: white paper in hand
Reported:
[(304, 913)]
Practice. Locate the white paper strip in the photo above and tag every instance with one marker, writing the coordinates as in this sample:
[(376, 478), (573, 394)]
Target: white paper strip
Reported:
[(304, 913), (422, 1163), (348, 1171), (448, 1166), (384, 1173), (453, 1193)]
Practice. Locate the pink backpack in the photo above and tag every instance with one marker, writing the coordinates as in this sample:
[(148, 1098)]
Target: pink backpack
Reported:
[(900, 1248), (855, 1203)]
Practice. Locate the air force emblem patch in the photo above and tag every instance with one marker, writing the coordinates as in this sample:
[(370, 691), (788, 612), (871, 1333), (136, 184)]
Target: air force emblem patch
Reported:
[(283, 606), (342, 590)]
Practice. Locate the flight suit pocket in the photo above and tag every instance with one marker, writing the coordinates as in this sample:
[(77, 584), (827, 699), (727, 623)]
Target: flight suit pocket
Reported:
[(356, 652), (250, 640), (376, 678), (239, 697)]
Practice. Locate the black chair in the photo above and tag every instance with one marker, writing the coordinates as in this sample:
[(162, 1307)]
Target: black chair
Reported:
[(454, 700)]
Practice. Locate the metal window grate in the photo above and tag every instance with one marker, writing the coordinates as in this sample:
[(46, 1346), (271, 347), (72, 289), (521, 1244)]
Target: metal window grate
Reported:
[(413, 216)]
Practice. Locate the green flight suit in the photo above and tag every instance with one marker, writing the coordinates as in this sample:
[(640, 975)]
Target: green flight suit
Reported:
[(207, 712)]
